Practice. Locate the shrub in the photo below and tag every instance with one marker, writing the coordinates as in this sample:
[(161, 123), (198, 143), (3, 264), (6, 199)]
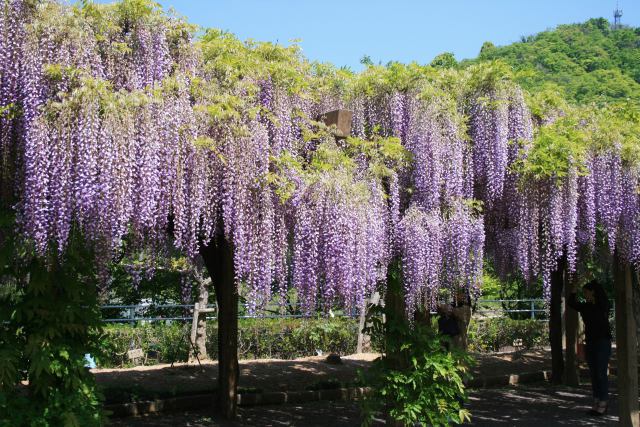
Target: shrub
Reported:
[(286, 338), (53, 321), (486, 335), (168, 340), (417, 381), (289, 338)]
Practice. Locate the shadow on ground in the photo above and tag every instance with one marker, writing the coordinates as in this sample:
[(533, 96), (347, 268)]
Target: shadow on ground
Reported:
[(536, 406), (533, 405)]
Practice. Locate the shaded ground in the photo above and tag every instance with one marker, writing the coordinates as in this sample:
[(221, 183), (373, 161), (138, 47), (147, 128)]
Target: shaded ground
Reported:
[(536, 405), (524, 406), (278, 375), (527, 405)]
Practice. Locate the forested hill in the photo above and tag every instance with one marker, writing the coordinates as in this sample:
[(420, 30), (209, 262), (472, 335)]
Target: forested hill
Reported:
[(589, 62)]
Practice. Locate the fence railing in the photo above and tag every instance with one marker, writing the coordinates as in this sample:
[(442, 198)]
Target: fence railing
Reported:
[(526, 308), (149, 312)]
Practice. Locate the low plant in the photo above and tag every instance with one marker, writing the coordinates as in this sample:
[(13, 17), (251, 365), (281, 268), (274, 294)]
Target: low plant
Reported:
[(53, 320), (417, 381), (491, 335)]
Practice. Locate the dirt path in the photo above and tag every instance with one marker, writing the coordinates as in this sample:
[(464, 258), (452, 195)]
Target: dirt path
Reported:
[(278, 375)]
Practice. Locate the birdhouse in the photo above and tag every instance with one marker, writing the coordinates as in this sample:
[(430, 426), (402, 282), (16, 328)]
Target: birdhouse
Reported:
[(341, 119)]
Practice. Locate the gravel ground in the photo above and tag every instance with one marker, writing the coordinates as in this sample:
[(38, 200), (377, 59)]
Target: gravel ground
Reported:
[(521, 406)]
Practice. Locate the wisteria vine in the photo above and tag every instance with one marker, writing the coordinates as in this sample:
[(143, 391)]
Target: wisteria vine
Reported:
[(134, 132)]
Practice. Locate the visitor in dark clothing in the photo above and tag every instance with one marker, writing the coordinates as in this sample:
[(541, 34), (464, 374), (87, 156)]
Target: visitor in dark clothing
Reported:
[(448, 324), (595, 314), (454, 319)]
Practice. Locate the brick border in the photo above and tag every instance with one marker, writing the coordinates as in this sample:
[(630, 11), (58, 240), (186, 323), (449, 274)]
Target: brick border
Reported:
[(509, 380), (171, 404)]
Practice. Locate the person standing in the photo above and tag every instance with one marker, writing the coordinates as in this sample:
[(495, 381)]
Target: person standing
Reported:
[(454, 320), (595, 315), (448, 325)]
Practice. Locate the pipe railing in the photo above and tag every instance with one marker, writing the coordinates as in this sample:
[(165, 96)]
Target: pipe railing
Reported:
[(131, 313)]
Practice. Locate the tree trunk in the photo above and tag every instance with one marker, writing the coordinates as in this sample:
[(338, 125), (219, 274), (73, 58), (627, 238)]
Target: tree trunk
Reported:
[(626, 345), (555, 325), (218, 258), (571, 377)]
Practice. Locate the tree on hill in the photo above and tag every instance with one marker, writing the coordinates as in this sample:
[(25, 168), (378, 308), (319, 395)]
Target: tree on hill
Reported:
[(590, 62)]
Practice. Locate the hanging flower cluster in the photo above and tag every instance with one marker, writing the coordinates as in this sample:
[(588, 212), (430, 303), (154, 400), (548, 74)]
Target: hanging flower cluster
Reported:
[(440, 252), (340, 241), (438, 238), (576, 178), (115, 124)]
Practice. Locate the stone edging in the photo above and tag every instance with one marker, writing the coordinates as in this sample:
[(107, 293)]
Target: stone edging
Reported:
[(197, 401), (511, 379)]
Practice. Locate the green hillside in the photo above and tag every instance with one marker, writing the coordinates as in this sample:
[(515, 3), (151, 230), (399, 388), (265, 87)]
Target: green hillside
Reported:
[(589, 62)]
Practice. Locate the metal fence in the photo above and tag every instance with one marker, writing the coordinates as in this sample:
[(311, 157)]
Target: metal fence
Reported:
[(148, 312), (535, 309)]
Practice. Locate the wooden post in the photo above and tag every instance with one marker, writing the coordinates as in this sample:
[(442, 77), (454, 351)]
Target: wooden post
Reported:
[(198, 331), (341, 119), (199, 323), (364, 340), (395, 312), (571, 376), (361, 324), (626, 345), (555, 325), (218, 257), (635, 286), (194, 325)]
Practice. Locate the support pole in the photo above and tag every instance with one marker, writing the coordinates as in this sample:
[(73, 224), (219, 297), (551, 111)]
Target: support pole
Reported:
[(555, 324), (571, 377), (361, 335), (218, 257), (626, 345), (194, 325), (200, 311), (395, 313), (364, 340)]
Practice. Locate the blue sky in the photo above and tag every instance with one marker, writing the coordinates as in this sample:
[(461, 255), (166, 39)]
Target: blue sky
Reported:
[(343, 31)]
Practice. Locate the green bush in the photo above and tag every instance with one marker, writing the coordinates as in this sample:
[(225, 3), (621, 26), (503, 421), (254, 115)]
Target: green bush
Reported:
[(169, 341), (487, 335), (257, 339), (290, 338)]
